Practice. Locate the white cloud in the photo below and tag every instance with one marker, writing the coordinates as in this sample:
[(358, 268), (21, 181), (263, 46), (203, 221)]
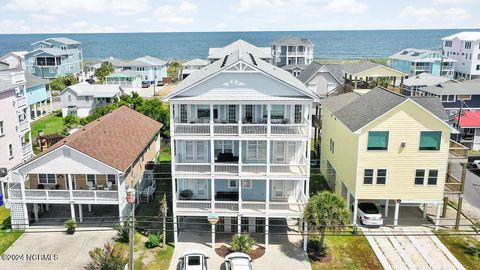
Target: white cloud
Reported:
[(249, 5), (418, 13), (347, 6), (457, 14), (452, 1), (176, 14), (66, 7)]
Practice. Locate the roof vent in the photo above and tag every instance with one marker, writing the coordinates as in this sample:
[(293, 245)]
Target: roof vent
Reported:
[(224, 61), (253, 59)]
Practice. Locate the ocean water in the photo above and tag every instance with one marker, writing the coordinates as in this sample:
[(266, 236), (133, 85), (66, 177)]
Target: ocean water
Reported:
[(185, 46)]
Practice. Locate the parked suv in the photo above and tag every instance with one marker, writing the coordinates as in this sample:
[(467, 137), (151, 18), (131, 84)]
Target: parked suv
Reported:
[(195, 259)]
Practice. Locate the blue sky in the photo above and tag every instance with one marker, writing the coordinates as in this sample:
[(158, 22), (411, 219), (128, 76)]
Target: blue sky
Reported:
[(67, 16)]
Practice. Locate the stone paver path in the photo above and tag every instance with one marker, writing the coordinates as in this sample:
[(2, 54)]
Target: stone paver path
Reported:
[(410, 248)]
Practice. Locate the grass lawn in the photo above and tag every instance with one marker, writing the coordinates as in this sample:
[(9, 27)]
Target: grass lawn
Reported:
[(349, 252), (317, 181), (50, 124), (7, 236), (457, 245)]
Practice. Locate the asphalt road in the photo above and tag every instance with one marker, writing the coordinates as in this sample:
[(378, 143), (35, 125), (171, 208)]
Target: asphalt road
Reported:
[(472, 189)]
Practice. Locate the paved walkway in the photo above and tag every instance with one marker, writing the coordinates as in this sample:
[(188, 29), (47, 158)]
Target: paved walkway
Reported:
[(51, 248), (410, 248)]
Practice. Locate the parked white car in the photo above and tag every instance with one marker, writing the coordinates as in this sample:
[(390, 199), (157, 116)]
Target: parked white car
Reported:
[(476, 164), (369, 214), (195, 259), (238, 261)]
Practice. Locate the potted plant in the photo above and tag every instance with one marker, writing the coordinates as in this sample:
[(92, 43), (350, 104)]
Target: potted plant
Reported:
[(70, 224)]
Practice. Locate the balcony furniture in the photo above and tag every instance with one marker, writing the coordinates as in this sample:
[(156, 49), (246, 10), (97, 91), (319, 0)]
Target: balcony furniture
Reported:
[(90, 185), (227, 157), (109, 185), (186, 194), (100, 187), (147, 194), (226, 196), (57, 186), (40, 186)]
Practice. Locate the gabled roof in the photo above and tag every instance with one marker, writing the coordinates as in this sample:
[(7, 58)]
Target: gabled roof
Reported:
[(95, 90), (240, 45), (196, 62), (292, 41), (230, 60), (312, 69), (293, 66), (425, 79), (64, 40), (358, 68), (19, 54), (116, 139), (466, 36), (50, 51), (146, 60), (33, 80), (469, 119), (420, 55), (355, 111), (471, 87)]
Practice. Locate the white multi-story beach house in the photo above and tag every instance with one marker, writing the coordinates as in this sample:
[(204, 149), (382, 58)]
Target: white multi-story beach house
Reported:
[(292, 53), (192, 66), (417, 61), (151, 69), (465, 48), (15, 136), (93, 167), (14, 59), (240, 134)]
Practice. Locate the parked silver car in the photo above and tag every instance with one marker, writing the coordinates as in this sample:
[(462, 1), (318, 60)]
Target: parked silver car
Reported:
[(195, 259), (238, 261)]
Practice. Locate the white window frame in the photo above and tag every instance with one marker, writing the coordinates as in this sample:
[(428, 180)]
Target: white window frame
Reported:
[(195, 153), (2, 131), (232, 181), (245, 185), (10, 151), (114, 180), (448, 98), (94, 179), (48, 182), (256, 156)]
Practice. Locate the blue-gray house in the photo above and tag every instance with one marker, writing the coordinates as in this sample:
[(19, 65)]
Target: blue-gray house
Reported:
[(417, 61), (54, 57), (37, 96)]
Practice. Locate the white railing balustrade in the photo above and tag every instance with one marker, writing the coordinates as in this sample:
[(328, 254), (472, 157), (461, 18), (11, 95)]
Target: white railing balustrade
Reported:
[(24, 125), (14, 193), (53, 194), (226, 168), (254, 168), (222, 129), (21, 101), (255, 206), (254, 129), (193, 205), (226, 206), (296, 129), (192, 168), (191, 129), (26, 149), (106, 195), (295, 169)]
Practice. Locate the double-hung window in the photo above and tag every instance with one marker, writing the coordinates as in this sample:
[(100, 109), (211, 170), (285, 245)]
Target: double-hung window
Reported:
[(432, 177), (91, 178), (430, 140), (298, 114), (256, 150), (47, 179), (419, 177), (277, 112), (381, 176), (112, 178), (377, 140), (189, 150), (368, 176)]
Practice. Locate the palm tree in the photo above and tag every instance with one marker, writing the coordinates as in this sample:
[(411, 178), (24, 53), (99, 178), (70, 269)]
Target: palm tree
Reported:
[(327, 211), (163, 211)]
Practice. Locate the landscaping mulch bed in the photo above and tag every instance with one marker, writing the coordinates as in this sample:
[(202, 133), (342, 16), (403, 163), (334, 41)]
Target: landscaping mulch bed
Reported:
[(223, 251), (320, 259)]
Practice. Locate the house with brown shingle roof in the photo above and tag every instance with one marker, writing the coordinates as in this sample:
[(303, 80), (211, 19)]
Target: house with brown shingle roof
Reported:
[(93, 166)]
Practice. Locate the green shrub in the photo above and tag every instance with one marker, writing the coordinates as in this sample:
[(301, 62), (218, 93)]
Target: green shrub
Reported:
[(123, 232), (313, 245), (70, 224), (110, 257), (242, 243), (154, 240)]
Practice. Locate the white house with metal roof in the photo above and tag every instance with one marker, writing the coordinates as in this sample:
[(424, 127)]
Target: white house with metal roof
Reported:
[(292, 50), (240, 135), (192, 66), (81, 98), (124, 78), (15, 59), (417, 61), (55, 57), (151, 69), (464, 47), (263, 53)]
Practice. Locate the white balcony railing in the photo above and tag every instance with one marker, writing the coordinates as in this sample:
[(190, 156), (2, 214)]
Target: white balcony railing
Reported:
[(254, 169), (27, 149), (295, 169), (295, 206), (64, 195), (254, 129), (21, 101), (226, 206), (191, 129), (295, 129), (225, 129), (226, 168), (194, 205), (192, 168), (24, 125)]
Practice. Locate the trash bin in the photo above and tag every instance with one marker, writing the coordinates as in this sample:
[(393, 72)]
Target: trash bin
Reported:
[(1, 199)]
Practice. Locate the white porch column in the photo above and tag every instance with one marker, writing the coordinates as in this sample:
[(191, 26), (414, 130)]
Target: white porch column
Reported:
[(397, 208), (240, 119), (213, 237), (212, 153), (211, 120), (80, 213), (266, 232), (239, 224), (267, 195), (35, 211), (269, 122), (25, 223), (305, 235), (425, 210), (386, 208), (89, 208), (35, 114), (172, 122), (175, 228), (212, 194), (355, 210), (240, 182), (437, 215), (269, 157), (72, 210), (70, 187)]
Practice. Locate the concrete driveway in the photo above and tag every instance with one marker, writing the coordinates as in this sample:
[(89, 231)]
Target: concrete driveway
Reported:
[(50, 249), (284, 250), (472, 190), (410, 248)]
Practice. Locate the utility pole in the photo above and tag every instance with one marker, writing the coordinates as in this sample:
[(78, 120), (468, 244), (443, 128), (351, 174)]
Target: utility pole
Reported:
[(441, 62), (131, 200), (460, 196), (458, 119)]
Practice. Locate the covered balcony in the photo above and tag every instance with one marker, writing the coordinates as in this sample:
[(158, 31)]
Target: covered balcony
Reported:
[(240, 196), (254, 119)]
